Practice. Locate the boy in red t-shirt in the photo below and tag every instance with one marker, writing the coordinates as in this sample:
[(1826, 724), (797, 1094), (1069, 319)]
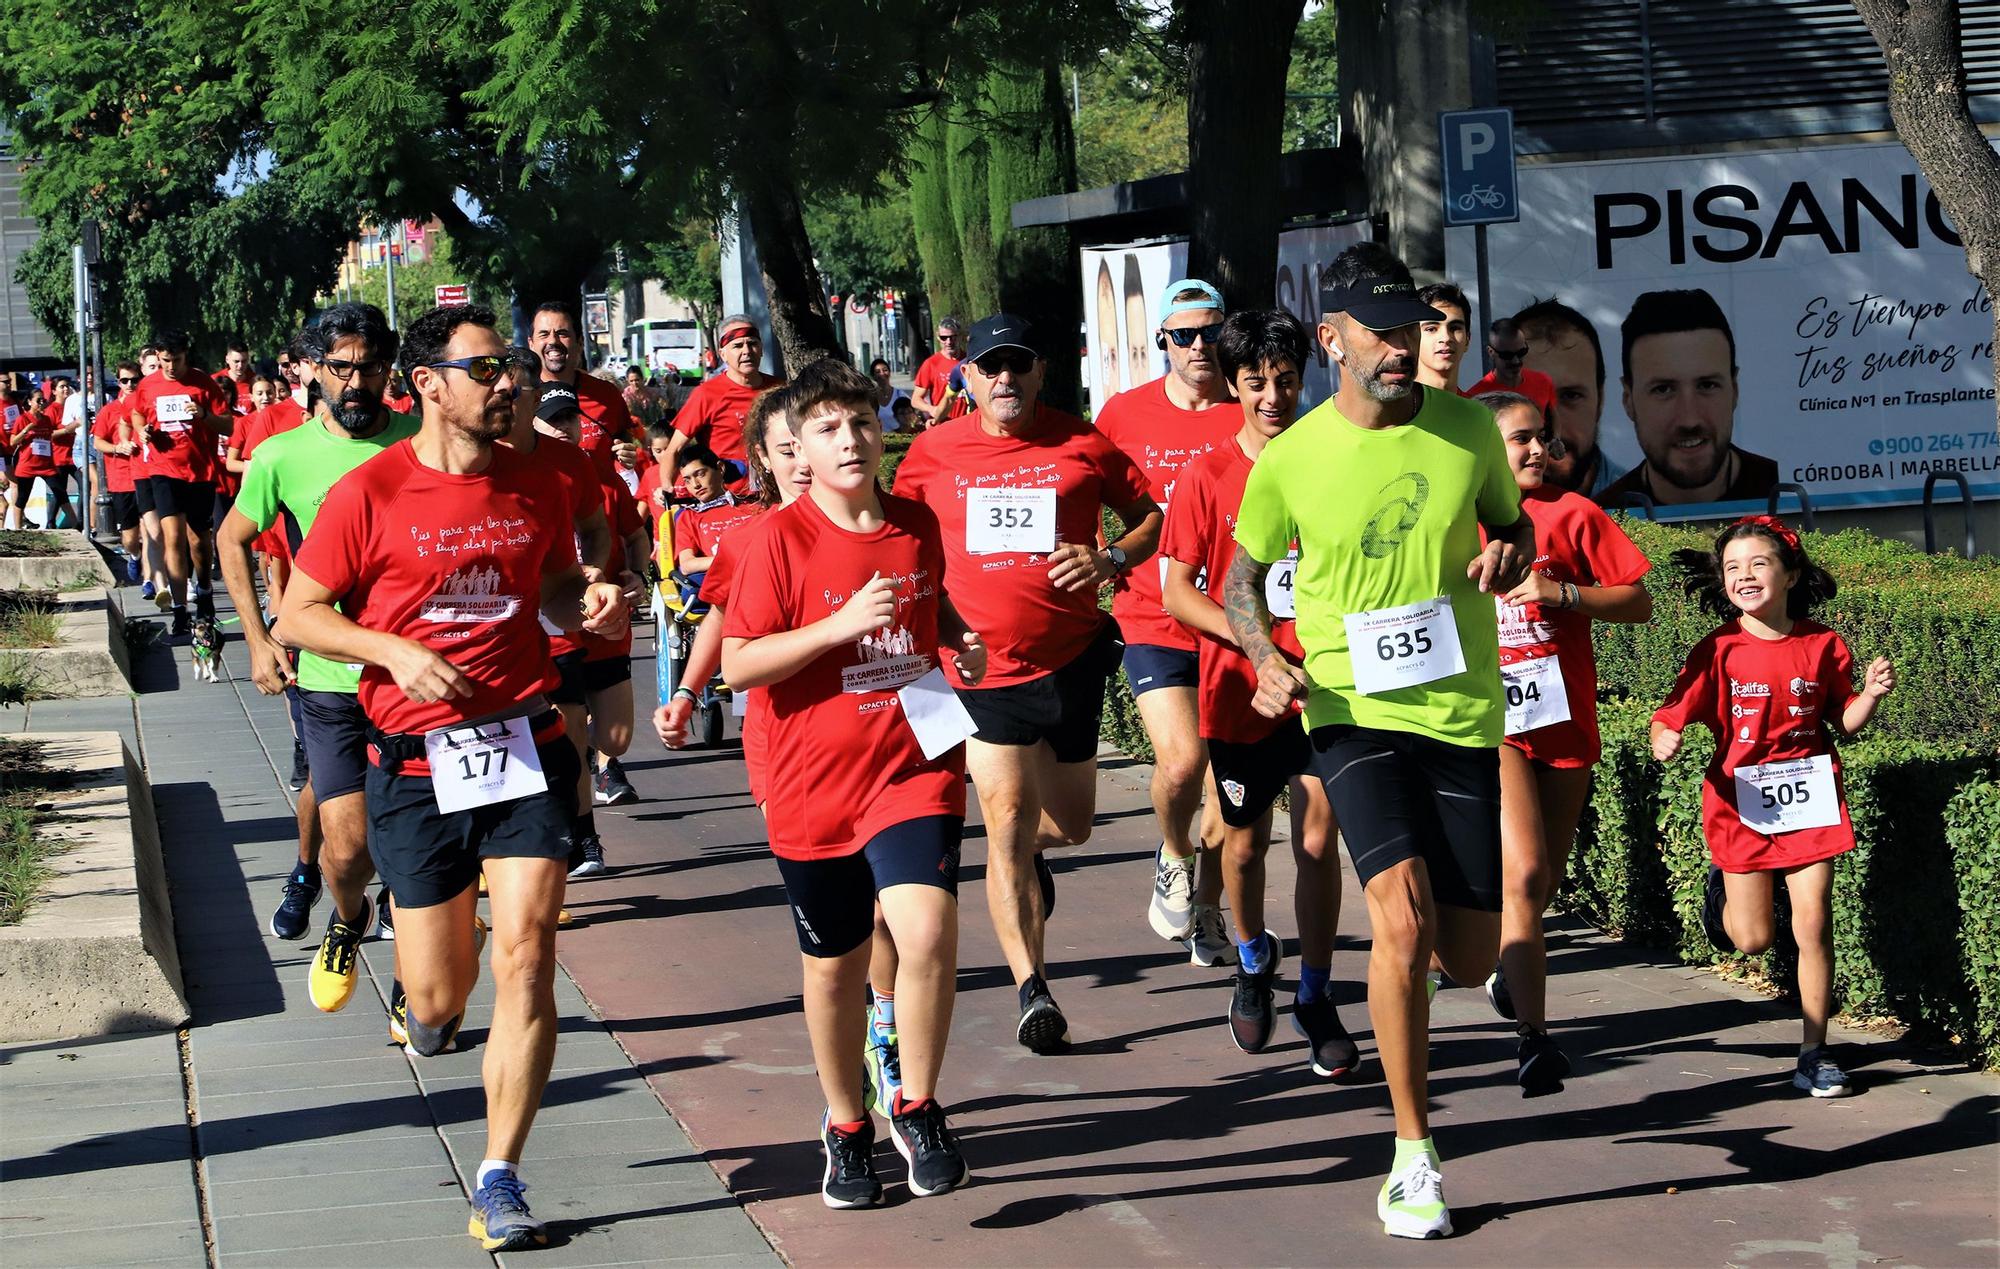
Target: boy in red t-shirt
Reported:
[(697, 529), (839, 613), (1262, 356)]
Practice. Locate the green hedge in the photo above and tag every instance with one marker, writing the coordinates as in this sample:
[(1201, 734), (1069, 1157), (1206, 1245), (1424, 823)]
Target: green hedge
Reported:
[(1972, 831)]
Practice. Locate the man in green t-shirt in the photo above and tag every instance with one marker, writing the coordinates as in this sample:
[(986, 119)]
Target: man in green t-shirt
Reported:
[(344, 357), (1385, 488)]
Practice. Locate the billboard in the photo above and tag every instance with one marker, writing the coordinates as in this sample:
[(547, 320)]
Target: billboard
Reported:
[(1863, 347), (1122, 286)]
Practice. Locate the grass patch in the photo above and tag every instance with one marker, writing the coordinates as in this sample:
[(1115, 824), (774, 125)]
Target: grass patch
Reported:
[(25, 782), (15, 543), (28, 619)]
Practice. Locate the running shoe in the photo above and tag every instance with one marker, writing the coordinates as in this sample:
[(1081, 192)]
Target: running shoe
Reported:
[(1544, 1066), (148, 590), (1817, 1074), (183, 625), (1497, 995), (1042, 1028), (1411, 1203), (132, 571), (1208, 940), (928, 1145), (335, 966), (385, 916), (1330, 1049), (1251, 1015), (586, 857), (884, 1061), (294, 914), (1713, 896), (204, 603), (849, 1180), (500, 1217), (399, 1023), (1046, 879), (300, 772), (613, 789), (1172, 908)]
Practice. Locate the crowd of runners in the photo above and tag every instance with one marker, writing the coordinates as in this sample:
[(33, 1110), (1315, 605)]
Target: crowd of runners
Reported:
[(1379, 612)]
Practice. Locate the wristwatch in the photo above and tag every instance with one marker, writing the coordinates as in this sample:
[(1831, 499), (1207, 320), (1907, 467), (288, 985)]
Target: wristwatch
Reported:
[(1116, 554)]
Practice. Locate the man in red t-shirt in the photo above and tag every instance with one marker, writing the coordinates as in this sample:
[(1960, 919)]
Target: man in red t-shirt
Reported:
[(235, 377), (430, 565), (178, 411), (1510, 371), (607, 422), (933, 383), (714, 412), (1164, 425), (117, 453), (1020, 490)]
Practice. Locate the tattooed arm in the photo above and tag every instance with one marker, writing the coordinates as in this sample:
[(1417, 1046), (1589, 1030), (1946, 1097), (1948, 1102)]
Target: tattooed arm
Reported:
[(1280, 684)]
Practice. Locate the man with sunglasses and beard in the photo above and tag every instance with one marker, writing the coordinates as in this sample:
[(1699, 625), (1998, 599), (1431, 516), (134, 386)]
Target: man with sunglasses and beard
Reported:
[(431, 565), (1020, 490), (344, 359), (1510, 373)]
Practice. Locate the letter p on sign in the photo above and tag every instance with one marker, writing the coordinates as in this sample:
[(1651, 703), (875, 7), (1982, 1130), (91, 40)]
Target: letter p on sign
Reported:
[(1474, 139)]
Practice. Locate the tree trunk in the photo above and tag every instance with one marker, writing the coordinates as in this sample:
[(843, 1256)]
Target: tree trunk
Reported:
[(1238, 52), (1920, 40), (800, 321)]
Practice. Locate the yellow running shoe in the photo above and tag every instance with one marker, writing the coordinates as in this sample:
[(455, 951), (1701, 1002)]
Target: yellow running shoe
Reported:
[(336, 965)]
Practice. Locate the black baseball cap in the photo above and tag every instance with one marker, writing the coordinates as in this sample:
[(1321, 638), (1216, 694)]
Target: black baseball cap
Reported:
[(1002, 330), (1379, 302), (558, 399)]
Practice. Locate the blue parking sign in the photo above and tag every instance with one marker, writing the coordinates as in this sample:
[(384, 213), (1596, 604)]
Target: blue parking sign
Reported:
[(1478, 152)]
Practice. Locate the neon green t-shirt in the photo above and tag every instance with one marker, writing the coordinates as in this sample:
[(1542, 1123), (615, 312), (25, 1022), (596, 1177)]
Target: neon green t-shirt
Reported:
[(1388, 518), (289, 475)]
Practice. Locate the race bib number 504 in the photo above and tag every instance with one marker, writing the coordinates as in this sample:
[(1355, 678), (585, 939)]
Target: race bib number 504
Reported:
[(1403, 647)]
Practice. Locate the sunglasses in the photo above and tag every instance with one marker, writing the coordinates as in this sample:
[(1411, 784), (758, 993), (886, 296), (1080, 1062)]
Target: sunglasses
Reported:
[(126, 382), (1518, 354), (1184, 336), (478, 369), (1012, 360), (345, 370)]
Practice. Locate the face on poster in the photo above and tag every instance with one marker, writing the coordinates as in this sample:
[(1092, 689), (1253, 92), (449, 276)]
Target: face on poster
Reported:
[(1799, 316), (1125, 284)]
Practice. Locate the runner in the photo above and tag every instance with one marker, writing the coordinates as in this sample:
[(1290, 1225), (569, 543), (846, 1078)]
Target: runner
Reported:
[(344, 357), (1402, 668), (1021, 489), (1586, 569), (153, 565), (840, 611), (1772, 803), (177, 411), (236, 376), (405, 544), (1442, 350), (34, 445), (1163, 426), (1262, 356), (607, 421), (118, 467), (933, 378), (714, 412), (1510, 372), (67, 412), (273, 550)]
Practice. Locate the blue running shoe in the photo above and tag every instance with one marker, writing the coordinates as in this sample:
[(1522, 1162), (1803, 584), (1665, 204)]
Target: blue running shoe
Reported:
[(294, 915), (500, 1217), (146, 591), (1819, 1075), (132, 570)]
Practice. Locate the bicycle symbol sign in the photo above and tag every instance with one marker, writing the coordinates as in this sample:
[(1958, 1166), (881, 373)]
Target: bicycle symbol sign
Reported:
[(1477, 148)]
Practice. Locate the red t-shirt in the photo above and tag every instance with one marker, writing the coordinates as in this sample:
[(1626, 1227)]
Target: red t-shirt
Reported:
[(175, 445), (583, 491), (1201, 531), (455, 562), (714, 414), (622, 514), (605, 419), (34, 448), (236, 392), (716, 587), (1534, 385), (1030, 628), (117, 467), (1766, 701), (934, 377), (1574, 542), (65, 448), (700, 529), (844, 762), (1162, 439)]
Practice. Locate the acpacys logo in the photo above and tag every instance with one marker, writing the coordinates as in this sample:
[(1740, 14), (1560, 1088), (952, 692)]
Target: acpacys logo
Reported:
[(1394, 519)]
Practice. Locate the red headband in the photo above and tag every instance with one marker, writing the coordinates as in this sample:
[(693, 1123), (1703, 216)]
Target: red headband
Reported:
[(1777, 528), (731, 332)]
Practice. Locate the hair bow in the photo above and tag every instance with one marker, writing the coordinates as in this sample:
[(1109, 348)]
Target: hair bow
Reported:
[(1778, 528)]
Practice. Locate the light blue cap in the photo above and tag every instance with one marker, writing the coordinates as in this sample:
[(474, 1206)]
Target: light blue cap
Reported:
[(1209, 298)]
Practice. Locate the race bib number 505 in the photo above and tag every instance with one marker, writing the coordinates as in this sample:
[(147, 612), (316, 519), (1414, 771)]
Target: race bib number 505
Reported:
[(1784, 797)]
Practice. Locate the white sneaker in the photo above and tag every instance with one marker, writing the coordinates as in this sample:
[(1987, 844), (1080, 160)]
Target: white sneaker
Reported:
[(1172, 908), (1411, 1203), (1208, 939)]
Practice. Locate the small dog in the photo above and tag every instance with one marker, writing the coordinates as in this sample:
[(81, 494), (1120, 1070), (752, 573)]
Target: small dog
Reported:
[(206, 649)]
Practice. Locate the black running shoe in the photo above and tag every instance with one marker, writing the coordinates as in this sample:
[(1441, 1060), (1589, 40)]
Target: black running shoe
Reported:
[(586, 857), (183, 625), (1251, 1015), (299, 769), (204, 603), (1712, 898), (611, 788), (850, 1166), (1543, 1064), (1497, 994), (1047, 880), (293, 917), (385, 916), (1042, 1028), (928, 1146), (1331, 1050)]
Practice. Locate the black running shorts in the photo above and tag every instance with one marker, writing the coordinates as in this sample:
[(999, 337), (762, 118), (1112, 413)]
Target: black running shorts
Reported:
[(124, 509), (335, 734), (1148, 667), (1248, 777), (1063, 707), (191, 500), (833, 900), (1402, 796)]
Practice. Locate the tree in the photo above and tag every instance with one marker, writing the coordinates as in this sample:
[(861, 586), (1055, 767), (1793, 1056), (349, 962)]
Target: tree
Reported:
[(1132, 122), (966, 156), (865, 244), (1031, 153), (1236, 113), (688, 264), (1920, 40), (1312, 85), (417, 281), (931, 218)]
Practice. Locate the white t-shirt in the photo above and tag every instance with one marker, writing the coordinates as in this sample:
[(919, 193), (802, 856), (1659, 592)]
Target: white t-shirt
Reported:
[(887, 413)]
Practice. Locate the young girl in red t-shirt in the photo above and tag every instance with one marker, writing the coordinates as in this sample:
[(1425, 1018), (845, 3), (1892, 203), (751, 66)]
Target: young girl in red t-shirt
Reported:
[(1585, 570), (1770, 684)]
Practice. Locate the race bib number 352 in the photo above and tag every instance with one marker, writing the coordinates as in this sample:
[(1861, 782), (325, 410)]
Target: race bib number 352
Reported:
[(1392, 648), (1784, 797), (1000, 521)]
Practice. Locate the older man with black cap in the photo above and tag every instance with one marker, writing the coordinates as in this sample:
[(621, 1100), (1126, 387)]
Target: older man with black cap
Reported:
[(1020, 490), (1385, 489)]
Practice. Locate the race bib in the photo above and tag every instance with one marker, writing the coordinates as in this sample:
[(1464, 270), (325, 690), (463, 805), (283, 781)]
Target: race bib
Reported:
[(483, 764), (42, 449), (1278, 587), (175, 409), (630, 477), (1200, 575), (1536, 694), (1002, 521), (1391, 648), (1785, 797)]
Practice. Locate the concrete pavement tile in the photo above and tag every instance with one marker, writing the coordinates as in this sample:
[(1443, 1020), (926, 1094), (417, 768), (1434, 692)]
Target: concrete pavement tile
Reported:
[(105, 1206), (427, 1217), (337, 1178), (172, 1243), (390, 1148), (440, 1250)]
